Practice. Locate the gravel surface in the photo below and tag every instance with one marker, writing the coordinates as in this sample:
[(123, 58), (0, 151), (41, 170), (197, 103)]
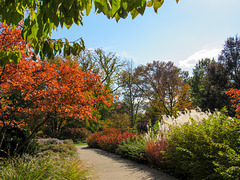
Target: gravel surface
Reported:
[(109, 166)]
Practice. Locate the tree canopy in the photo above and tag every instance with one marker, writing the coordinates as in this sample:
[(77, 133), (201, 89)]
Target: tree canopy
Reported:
[(42, 17), (162, 83), (32, 91)]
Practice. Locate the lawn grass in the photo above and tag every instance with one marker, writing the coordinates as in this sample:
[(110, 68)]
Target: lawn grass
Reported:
[(81, 144)]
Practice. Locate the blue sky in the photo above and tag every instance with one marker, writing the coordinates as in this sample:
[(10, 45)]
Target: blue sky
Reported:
[(182, 33)]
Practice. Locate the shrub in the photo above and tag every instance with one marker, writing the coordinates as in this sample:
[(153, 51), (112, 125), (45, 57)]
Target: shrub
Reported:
[(142, 126), (93, 139), (110, 142), (205, 150), (76, 134), (14, 137), (133, 149), (154, 152), (53, 146)]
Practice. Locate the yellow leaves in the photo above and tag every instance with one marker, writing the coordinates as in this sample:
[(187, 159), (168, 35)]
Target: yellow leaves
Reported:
[(184, 102)]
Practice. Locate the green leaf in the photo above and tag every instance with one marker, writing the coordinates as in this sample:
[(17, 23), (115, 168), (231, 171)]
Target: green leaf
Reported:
[(150, 3), (142, 8), (34, 30), (125, 5), (68, 4), (157, 4), (134, 13), (88, 7), (56, 47), (9, 56), (115, 6), (68, 22)]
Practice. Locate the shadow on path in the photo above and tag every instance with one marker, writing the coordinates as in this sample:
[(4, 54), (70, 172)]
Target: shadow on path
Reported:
[(109, 166)]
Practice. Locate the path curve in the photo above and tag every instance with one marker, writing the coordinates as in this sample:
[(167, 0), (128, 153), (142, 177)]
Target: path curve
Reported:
[(109, 166)]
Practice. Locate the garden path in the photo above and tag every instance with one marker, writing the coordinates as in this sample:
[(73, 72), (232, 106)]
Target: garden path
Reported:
[(109, 166)]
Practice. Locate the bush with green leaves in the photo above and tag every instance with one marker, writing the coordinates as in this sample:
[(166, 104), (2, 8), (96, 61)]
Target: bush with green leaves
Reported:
[(133, 149), (207, 149), (76, 134), (53, 146), (14, 137)]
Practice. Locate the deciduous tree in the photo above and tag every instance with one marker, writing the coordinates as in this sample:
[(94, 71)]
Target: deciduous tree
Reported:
[(12, 46), (106, 64), (42, 17), (132, 95), (230, 58), (196, 82), (208, 85), (40, 88), (184, 99), (161, 83), (235, 94)]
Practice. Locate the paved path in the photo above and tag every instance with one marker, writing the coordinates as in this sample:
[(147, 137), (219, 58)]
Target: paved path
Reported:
[(109, 166)]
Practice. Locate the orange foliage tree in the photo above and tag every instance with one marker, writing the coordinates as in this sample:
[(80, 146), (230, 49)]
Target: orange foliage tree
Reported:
[(235, 94), (10, 39), (46, 87), (39, 87), (184, 102)]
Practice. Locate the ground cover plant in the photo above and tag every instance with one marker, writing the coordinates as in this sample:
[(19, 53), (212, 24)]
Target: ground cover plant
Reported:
[(56, 159)]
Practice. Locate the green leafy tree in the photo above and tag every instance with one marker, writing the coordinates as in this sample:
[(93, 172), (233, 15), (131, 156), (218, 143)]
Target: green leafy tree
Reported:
[(42, 17), (106, 64), (230, 57), (132, 96), (196, 82), (216, 82), (209, 83)]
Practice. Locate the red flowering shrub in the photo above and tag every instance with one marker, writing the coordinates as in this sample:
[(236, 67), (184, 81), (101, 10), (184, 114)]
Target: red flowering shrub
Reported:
[(109, 142), (108, 139), (125, 136), (154, 152), (93, 140)]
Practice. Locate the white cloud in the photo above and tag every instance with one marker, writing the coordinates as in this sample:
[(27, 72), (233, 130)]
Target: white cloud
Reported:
[(192, 60), (125, 55)]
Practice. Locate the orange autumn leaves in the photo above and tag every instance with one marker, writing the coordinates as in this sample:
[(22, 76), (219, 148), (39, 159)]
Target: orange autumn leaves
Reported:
[(49, 87), (46, 87), (12, 46), (235, 94), (11, 38)]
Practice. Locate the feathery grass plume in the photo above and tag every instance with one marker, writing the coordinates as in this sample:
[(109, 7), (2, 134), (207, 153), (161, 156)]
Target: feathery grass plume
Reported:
[(183, 117)]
